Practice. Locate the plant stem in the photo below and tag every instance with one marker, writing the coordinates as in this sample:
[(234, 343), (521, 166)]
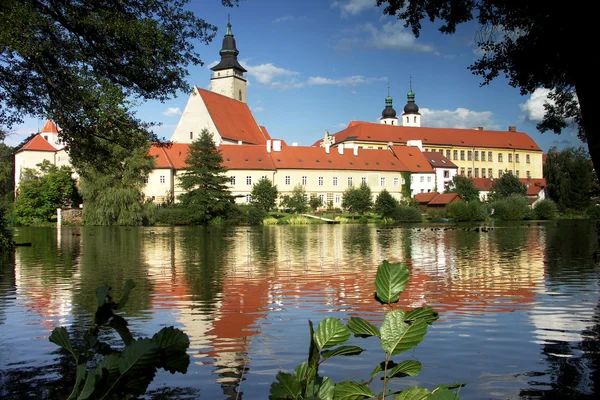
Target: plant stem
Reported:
[(387, 360)]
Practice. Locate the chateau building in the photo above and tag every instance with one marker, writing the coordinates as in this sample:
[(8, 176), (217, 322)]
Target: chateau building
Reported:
[(429, 157)]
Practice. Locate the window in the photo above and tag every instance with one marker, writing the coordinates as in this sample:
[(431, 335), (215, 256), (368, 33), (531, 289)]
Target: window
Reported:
[(489, 156), (320, 181), (509, 157), (426, 150), (382, 181), (446, 173), (517, 173), (248, 180), (162, 179), (248, 198), (415, 119), (462, 171), (528, 173), (483, 156), (240, 95), (527, 159), (335, 181), (483, 172), (232, 180), (407, 120), (470, 172), (428, 179), (349, 181), (476, 156), (264, 177), (448, 154), (363, 179), (462, 155), (322, 198), (499, 173), (288, 180), (469, 156), (422, 179), (455, 155), (441, 151), (46, 137), (191, 135), (305, 197), (338, 198), (145, 179), (516, 158), (304, 180), (396, 182), (476, 172), (490, 173), (499, 157)]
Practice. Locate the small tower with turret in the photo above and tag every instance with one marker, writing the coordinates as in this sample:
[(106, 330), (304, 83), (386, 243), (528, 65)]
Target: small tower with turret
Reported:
[(411, 116), (228, 75), (388, 116)]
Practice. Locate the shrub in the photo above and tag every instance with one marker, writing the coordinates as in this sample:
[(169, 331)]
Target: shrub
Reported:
[(269, 221), (463, 211), (593, 211), (407, 214), (513, 208), (299, 220), (546, 209), (437, 215), (6, 238), (385, 205), (216, 221), (343, 220), (363, 220), (172, 215)]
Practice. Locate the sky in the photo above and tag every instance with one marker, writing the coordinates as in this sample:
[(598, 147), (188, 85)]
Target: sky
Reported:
[(315, 65)]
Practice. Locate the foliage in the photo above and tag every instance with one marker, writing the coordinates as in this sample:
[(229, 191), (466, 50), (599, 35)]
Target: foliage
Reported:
[(299, 220), (506, 186), (121, 373), (357, 199), (519, 41), (207, 192), (296, 202), (174, 214), (251, 214), (593, 211), (269, 221), (463, 186), (7, 175), (264, 194), (315, 202), (399, 332), (385, 204), (546, 209), (86, 64), (406, 182), (437, 214), (41, 192), (569, 177), (342, 220), (6, 237), (404, 213), (463, 211), (512, 208), (112, 193)]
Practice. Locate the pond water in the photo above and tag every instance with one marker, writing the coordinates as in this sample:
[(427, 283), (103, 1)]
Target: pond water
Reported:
[(519, 304)]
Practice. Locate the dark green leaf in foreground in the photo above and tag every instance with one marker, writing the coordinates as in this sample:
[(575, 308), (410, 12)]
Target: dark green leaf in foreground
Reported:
[(129, 285), (60, 337), (349, 390), (390, 281), (101, 294), (362, 328), (405, 368), (427, 313), (331, 332), (286, 387), (398, 336), (414, 393), (321, 389), (171, 339), (119, 324), (342, 351)]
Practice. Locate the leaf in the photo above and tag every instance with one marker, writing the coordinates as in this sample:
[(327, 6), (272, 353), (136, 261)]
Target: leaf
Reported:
[(88, 387), (443, 394), (102, 294), (342, 351), (286, 387), (60, 337), (313, 351), (110, 366), (330, 332), (405, 368), (119, 324), (303, 373), (137, 365), (427, 313), (321, 389), (390, 281), (171, 339), (176, 362), (79, 377), (381, 367), (90, 338), (398, 336), (129, 285), (349, 390), (362, 328), (414, 393)]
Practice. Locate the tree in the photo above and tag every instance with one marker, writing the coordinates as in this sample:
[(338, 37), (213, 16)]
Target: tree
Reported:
[(357, 199), (84, 64), (113, 193), (520, 40), (315, 202), (207, 192), (7, 175), (463, 186), (264, 194), (386, 205), (296, 202), (569, 177), (41, 192), (507, 186)]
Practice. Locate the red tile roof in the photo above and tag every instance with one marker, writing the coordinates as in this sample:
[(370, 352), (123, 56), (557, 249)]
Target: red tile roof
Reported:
[(49, 127), (438, 160), (265, 132), (374, 132), (160, 155), (38, 143), (483, 184), (233, 118), (445, 198), (425, 198)]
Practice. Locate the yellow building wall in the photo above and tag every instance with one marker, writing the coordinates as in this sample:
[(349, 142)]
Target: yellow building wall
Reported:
[(30, 159)]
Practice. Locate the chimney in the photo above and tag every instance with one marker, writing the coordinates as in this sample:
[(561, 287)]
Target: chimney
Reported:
[(512, 128), (268, 145), (341, 148), (239, 142), (327, 148), (276, 145), (295, 144), (355, 151), (478, 128)]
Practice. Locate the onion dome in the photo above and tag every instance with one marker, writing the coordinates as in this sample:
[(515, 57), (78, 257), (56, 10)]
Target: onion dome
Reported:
[(411, 107), (229, 53), (389, 111)]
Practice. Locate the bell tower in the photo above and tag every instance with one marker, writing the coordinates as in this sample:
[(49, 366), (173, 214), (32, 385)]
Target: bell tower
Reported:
[(228, 75)]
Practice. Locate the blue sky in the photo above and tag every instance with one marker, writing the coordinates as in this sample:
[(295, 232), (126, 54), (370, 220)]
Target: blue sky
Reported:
[(315, 65)]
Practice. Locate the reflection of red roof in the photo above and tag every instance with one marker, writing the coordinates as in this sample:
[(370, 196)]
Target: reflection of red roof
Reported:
[(233, 118), (374, 132), (49, 127), (425, 198), (38, 143), (445, 198)]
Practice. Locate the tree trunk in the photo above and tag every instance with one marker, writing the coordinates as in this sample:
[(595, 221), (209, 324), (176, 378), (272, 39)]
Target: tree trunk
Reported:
[(588, 90)]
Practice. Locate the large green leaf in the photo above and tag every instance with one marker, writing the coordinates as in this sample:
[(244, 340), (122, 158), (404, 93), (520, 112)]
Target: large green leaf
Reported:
[(88, 387), (119, 324), (398, 336), (304, 373), (178, 361), (405, 368), (390, 281), (314, 354), (138, 356), (60, 337), (342, 351), (382, 366), (330, 332), (286, 387), (321, 389), (79, 377), (171, 339), (129, 285), (414, 393), (443, 394), (362, 328), (108, 368), (349, 390), (427, 313), (101, 294)]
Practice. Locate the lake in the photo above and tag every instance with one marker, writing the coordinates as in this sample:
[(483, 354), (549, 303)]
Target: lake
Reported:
[(519, 304)]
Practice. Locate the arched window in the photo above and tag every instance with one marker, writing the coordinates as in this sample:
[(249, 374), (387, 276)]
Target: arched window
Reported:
[(240, 94), (407, 120), (392, 122), (415, 120)]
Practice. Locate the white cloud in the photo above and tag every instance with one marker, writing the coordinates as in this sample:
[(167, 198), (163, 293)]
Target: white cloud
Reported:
[(348, 81), (258, 109), (459, 118), (533, 108), (274, 77), (283, 19), (354, 7), (390, 36), (172, 111)]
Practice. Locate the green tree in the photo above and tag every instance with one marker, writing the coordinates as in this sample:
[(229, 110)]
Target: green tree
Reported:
[(315, 202), (386, 205), (113, 193), (519, 40), (41, 192), (207, 193), (357, 199), (506, 186), (569, 177), (264, 194), (85, 63), (7, 175), (296, 202), (463, 186)]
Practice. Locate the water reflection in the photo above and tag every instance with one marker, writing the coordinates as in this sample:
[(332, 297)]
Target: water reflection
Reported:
[(244, 295)]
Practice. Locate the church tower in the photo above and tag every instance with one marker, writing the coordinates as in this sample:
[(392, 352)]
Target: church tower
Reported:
[(411, 116), (228, 75), (388, 116)]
